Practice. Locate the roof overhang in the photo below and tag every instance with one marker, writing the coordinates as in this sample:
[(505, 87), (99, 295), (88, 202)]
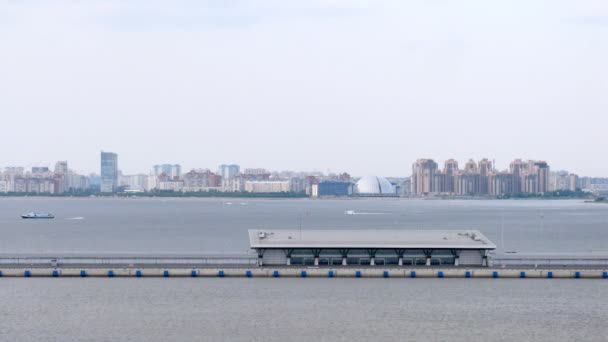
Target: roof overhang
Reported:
[(362, 239)]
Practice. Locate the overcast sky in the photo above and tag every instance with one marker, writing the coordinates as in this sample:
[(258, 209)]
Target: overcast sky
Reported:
[(359, 86)]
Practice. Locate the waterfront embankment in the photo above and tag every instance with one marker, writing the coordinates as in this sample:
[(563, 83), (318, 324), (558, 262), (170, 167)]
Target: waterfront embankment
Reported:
[(325, 272)]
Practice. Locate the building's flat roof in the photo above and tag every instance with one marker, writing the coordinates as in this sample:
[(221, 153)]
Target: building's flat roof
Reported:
[(405, 239)]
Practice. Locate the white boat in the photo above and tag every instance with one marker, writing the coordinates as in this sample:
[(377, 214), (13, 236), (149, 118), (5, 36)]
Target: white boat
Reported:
[(37, 216)]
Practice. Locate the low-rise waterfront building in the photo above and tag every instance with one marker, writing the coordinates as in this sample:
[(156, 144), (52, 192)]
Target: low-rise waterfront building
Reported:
[(199, 179), (371, 247), (332, 188), (268, 186), (170, 185), (374, 186)]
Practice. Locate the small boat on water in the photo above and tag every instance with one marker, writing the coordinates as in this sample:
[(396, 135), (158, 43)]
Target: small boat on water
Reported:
[(37, 216)]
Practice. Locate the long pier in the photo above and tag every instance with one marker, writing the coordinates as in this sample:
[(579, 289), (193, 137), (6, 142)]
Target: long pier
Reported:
[(246, 266)]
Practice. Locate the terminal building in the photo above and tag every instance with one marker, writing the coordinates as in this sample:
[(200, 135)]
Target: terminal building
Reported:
[(370, 247), (374, 186), (332, 188)]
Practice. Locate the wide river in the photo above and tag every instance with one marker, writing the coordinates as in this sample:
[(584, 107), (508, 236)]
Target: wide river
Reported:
[(220, 226), (204, 309)]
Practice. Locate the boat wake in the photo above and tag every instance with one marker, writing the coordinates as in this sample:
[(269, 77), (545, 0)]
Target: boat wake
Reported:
[(352, 212), (75, 218)]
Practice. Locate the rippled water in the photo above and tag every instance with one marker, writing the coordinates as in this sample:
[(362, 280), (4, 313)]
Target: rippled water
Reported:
[(210, 226), (230, 309), (294, 309)]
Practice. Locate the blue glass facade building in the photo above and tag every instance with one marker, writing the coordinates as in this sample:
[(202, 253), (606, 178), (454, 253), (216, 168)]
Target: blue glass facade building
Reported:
[(109, 172), (335, 188)]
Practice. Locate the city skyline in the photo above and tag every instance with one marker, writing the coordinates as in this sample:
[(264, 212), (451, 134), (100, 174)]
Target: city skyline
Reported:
[(497, 164), (153, 152), (482, 178), (363, 86)]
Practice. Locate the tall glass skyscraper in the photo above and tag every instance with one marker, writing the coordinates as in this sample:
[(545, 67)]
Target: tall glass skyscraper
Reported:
[(172, 170), (109, 171), (228, 171)]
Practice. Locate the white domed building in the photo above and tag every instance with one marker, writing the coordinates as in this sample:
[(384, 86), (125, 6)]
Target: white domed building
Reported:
[(374, 186)]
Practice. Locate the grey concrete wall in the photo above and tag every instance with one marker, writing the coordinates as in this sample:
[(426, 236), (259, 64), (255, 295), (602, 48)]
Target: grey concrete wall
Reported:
[(323, 272)]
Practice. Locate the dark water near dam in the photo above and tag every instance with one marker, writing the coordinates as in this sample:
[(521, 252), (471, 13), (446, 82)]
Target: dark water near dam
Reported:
[(294, 309)]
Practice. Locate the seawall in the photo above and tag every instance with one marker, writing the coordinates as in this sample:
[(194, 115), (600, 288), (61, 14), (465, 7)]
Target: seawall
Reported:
[(294, 272)]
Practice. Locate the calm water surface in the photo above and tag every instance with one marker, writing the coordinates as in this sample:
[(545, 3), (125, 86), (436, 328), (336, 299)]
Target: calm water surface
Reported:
[(287, 309), (292, 309), (210, 226)]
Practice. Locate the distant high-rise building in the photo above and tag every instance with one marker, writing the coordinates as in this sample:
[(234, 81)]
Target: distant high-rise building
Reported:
[(541, 168), (517, 168), (533, 177), (61, 177), (76, 182), (256, 172), (174, 171), (485, 168), (573, 182), (481, 178), (450, 169), (559, 180), (38, 170), (228, 171), (4, 186), (423, 176), (500, 183), (61, 168), (109, 172), (13, 171), (440, 181), (468, 180), (470, 166)]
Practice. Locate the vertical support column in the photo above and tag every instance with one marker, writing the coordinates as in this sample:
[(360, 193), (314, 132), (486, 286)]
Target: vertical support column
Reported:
[(260, 256), (484, 255), (288, 253), (372, 256), (316, 253), (456, 254), (344, 254), (400, 253), (428, 253)]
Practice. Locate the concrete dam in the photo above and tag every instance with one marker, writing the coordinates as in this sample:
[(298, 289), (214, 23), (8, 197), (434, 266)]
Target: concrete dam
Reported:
[(329, 254)]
